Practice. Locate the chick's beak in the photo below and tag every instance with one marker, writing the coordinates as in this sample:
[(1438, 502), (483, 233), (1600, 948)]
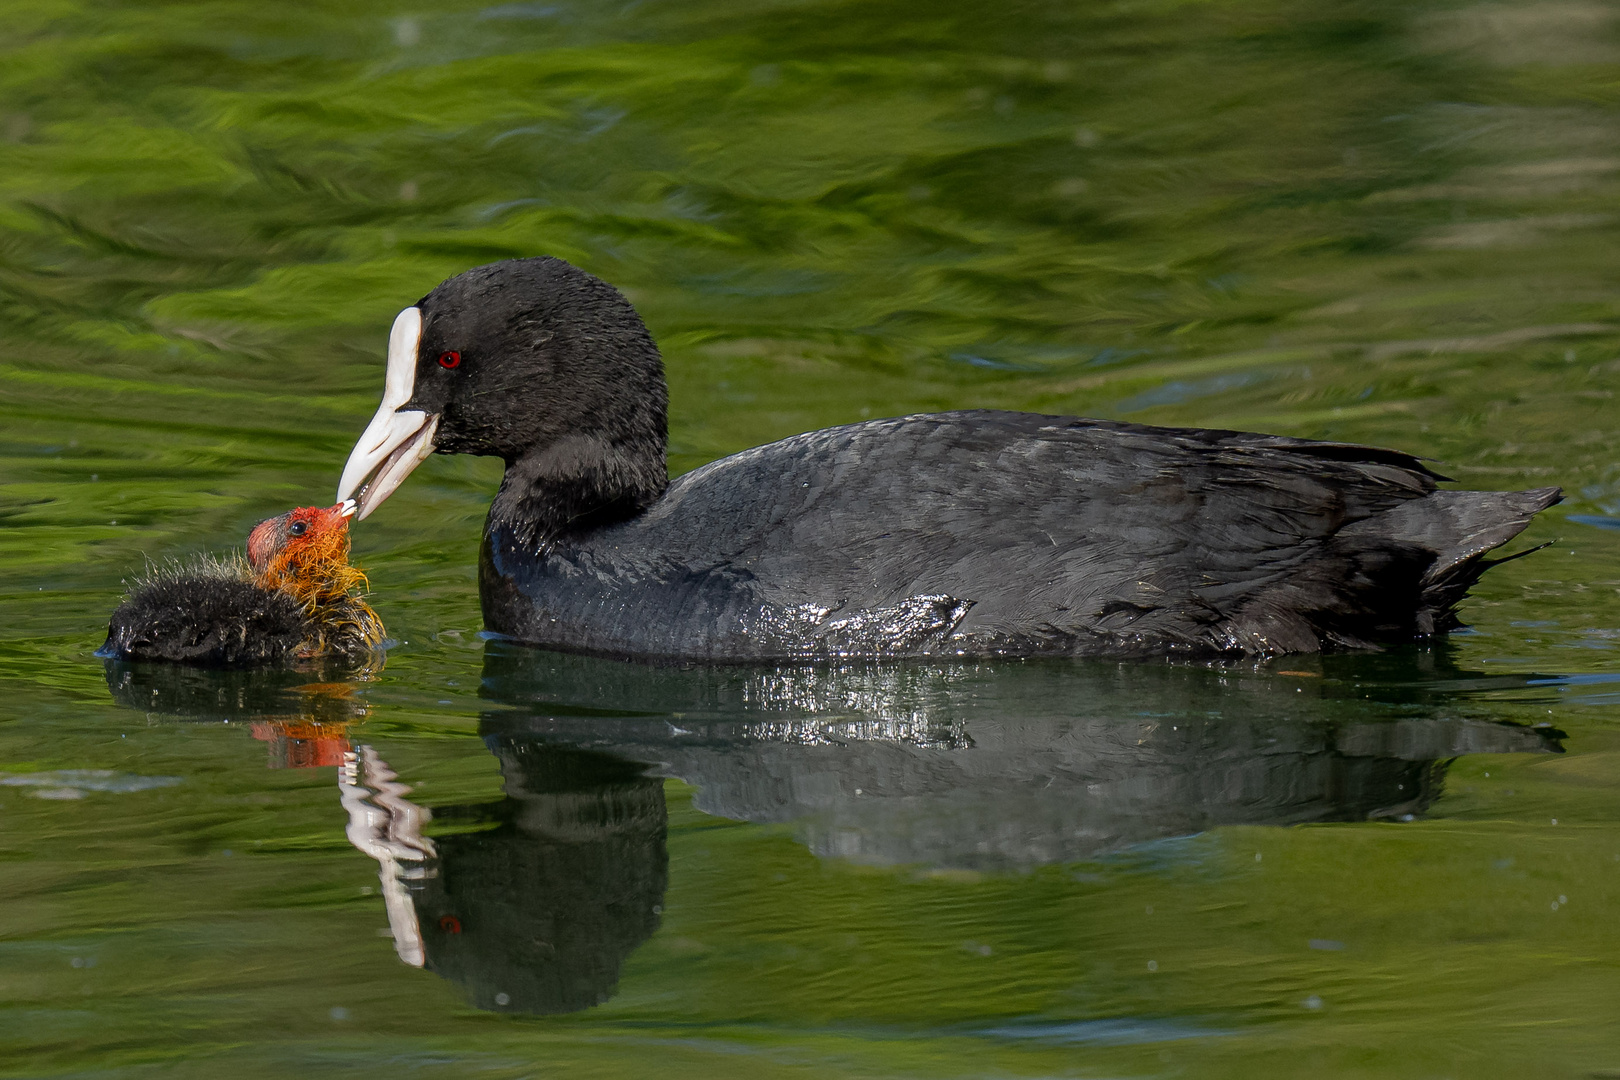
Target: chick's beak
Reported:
[(396, 441), (337, 517)]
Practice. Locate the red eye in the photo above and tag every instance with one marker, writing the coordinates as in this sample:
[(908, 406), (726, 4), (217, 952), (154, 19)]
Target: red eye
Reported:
[(449, 359)]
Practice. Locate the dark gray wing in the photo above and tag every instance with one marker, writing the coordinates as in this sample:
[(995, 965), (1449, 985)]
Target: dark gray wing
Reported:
[(990, 531)]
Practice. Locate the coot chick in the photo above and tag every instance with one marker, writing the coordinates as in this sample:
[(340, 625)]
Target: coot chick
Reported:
[(291, 600), (964, 533)]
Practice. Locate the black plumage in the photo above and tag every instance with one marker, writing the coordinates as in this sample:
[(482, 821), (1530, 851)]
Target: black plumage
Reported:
[(214, 615), (968, 533), (208, 615)]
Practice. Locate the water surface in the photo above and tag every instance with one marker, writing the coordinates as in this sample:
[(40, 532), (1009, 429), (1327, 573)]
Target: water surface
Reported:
[(1377, 222)]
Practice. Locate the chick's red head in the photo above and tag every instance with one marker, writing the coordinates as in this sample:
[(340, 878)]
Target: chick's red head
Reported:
[(305, 552)]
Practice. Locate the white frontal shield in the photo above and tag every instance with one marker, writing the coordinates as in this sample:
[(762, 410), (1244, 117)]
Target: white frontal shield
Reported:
[(395, 442)]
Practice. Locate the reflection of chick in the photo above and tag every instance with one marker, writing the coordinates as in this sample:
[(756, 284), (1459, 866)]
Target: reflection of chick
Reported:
[(298, 744), (292, 600)]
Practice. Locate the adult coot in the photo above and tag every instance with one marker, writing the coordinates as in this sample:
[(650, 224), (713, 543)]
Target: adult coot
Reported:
[(963, 533), (291, 600)]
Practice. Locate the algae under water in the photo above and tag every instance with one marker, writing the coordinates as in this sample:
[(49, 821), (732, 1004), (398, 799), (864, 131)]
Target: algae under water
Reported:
[(1389, 223)]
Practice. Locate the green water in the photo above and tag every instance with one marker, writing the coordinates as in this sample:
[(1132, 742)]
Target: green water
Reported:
[(1365, 221)]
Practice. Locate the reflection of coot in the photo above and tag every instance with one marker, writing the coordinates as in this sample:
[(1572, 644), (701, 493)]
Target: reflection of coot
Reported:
[(1002, 766), (538, 914)]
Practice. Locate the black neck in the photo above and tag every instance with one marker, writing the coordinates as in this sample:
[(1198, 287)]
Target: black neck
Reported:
[(575, 485)]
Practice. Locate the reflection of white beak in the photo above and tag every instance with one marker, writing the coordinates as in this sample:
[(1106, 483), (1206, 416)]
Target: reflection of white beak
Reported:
[(395, 442), (388, 827)]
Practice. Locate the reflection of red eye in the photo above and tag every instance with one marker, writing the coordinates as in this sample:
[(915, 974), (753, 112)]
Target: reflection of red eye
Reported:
[(450, 924), (449, 359)]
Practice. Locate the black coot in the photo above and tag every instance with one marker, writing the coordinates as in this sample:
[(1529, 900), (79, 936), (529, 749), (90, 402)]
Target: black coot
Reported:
[(965, 533)]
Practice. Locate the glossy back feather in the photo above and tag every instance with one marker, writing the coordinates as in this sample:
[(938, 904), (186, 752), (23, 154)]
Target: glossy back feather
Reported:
[(989, 532)]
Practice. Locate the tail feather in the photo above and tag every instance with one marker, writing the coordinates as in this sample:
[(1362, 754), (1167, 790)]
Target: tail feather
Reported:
[(1396, 576), (1460, 528)]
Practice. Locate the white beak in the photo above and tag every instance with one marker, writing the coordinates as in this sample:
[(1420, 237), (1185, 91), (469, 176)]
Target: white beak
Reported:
[(395, 442)]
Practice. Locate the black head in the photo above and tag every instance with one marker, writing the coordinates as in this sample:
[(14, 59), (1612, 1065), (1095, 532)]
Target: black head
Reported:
[(520, 354), (533, 361)]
